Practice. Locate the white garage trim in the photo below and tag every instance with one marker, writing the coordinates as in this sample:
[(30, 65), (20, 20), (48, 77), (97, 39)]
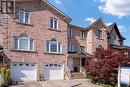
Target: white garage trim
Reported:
[(125, 75), (53, 71), (23, 71)]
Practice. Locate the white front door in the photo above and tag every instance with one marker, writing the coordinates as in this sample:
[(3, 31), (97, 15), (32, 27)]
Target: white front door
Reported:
[(23, 71), (70, 64), (53, 71)]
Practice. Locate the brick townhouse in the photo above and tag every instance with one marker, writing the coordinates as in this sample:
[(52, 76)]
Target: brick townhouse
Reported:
[(37, 39)]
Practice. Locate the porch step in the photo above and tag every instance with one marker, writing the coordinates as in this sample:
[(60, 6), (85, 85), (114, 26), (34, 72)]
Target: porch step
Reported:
[(77, 75)]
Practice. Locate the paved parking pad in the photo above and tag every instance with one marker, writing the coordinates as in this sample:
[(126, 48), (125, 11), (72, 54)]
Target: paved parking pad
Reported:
[(68, 83), (57, 83)]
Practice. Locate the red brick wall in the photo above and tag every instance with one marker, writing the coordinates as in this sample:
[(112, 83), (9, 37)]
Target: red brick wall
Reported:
[(39, 30)]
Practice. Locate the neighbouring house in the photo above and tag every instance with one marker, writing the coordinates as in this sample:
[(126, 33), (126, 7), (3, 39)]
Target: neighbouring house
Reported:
[(83, 42), (38, 40)]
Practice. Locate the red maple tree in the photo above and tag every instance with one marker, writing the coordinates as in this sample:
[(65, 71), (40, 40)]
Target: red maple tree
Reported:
[(103, 65)]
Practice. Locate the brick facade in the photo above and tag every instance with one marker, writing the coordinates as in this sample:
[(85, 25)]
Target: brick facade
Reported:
[(39, 30)]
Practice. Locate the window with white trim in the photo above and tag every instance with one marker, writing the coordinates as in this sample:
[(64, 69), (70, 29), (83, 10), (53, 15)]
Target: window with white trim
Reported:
[(70, 32), (82, 34), (53, 46), (24, 17), (70, 48), (113, 40), (99, 34), (53, 23), (23, 43), (6, 6), (82, 48)]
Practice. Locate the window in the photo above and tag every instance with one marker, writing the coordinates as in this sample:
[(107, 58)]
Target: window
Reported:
[(53, 23), (70, 48), (23, 43), (53, 46), (6, 7), (24, 17), (82, 48), (113, 40), (99, 33), (82, 34), (69, 32), (99, 46), (1, 18)]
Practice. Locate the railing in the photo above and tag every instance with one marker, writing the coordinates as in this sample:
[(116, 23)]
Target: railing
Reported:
[(68, 72), (83, 71)]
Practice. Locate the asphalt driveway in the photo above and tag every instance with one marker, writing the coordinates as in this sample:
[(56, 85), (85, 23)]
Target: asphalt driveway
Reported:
[(63, 83)]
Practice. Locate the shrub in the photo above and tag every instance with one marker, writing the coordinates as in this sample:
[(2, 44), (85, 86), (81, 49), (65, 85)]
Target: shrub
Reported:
[(6, 75), (103, 64)]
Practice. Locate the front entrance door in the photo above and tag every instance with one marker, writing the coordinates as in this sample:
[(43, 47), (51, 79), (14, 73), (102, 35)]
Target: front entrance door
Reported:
[(70, 64), (82, 62)]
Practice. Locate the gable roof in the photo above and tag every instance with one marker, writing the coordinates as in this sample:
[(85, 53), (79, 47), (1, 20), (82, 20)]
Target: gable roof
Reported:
[(97, 21), (114, 26), (57, 10)]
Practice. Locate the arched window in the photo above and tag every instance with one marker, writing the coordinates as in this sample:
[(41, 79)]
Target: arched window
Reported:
[(99, 46), (23, 42), (53, 46)]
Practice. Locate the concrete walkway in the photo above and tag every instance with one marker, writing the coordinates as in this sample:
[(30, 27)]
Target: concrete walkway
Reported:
[(59, 83), (68, 83)]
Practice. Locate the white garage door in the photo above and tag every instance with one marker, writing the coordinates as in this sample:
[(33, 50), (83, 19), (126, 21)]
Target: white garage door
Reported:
[(23, 71), (53, 71), (125, 75)]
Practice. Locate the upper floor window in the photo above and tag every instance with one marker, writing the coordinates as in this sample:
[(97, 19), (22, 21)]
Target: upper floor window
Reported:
[(53, 46), (23, 43), (6, 7), (70, 48), (99, 34), (82, 48), (53, 23), (82, 34), (113, 40), (24, 17), (1, 18), (69, 33)]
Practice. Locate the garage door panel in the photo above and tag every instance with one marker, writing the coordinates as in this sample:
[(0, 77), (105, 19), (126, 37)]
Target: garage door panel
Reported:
[(125, 75), (54, 72), (23, 72)]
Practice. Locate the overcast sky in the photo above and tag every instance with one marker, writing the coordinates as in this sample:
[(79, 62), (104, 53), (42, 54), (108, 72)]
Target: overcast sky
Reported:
[(84, 12)]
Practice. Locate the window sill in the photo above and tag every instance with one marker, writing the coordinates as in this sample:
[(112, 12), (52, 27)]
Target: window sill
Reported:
[(70, 36), (54, 53), (82, 38), (99, 38), (23, 51), (29, 24), (54, 30)]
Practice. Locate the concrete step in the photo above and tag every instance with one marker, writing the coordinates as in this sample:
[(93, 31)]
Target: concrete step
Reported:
[(77, 75)]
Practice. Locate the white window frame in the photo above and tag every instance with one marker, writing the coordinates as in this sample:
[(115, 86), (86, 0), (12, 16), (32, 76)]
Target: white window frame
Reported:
[(70, 32), (113, 40), (53, 25), (81, 48), (24, 19), (98, 34), (54, 42), (28, 49), (82, 34), (70, 48)]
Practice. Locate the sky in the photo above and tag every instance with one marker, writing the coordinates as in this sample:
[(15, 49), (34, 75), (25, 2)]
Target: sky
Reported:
[(85, 12)]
